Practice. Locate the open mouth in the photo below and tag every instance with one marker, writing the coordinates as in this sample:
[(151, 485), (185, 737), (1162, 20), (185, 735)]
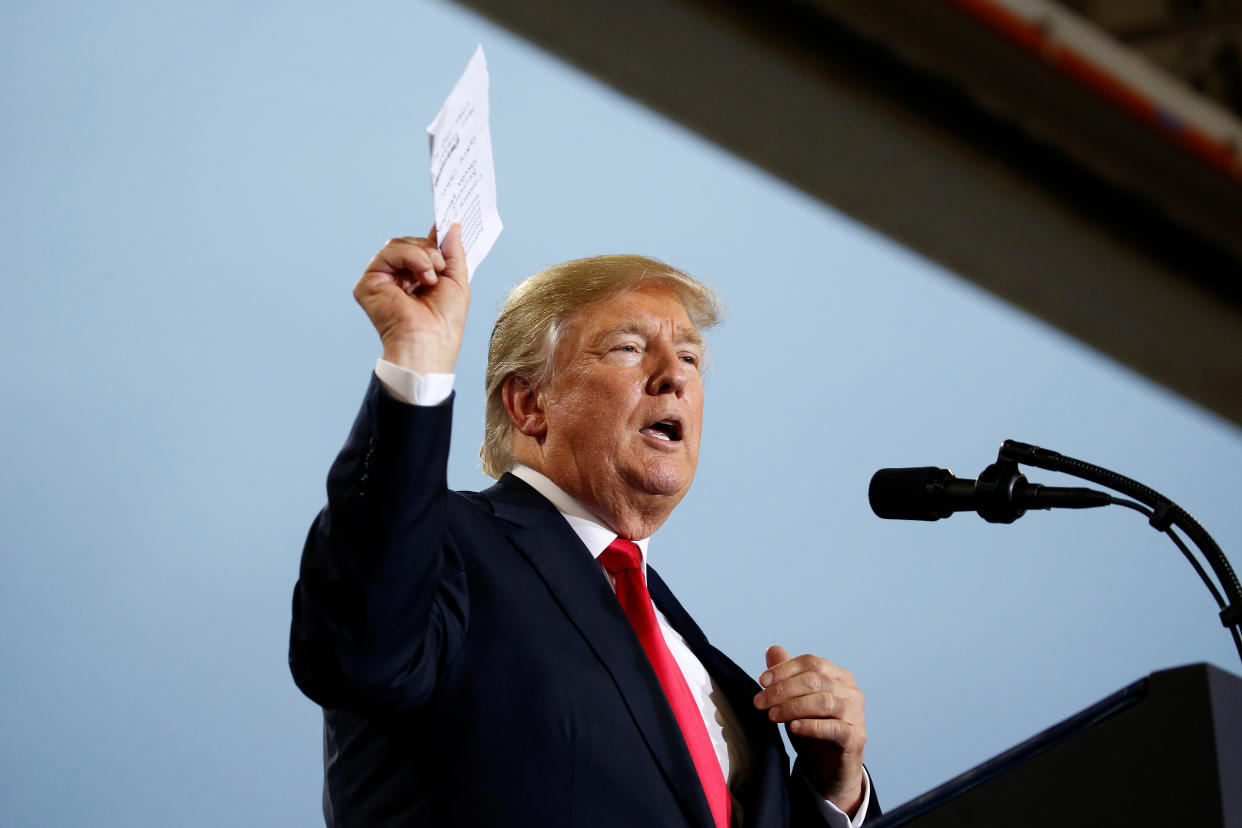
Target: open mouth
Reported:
[(667, 430)]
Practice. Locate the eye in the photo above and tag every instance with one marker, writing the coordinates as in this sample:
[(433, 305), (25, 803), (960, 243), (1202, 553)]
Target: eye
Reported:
[(626, 352), (628, 346), (690, 359)]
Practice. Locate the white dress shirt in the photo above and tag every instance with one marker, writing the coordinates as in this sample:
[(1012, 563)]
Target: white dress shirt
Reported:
[(722, 725)]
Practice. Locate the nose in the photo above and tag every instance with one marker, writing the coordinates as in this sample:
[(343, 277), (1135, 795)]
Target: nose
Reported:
[(669, 374)]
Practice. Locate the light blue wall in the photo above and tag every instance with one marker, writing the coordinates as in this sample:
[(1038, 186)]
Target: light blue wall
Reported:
[(189, 192)]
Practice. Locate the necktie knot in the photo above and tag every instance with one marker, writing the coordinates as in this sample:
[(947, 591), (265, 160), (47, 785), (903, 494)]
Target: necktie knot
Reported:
[(620, 555)]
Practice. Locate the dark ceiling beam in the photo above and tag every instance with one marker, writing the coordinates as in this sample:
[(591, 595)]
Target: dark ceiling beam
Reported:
[(914, 119)]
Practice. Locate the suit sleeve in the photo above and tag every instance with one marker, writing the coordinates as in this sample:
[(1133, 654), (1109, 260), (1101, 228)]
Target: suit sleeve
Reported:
[(380, 605), (807, 811)]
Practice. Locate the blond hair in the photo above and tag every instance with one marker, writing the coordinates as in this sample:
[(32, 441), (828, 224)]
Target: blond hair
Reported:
[(528, 329)]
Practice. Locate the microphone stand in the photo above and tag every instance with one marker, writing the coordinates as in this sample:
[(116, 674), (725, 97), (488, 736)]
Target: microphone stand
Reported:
[(1163, 514)]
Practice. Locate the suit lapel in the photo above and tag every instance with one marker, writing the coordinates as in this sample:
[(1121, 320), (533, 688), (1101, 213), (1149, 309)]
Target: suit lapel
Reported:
[(573, 577), (762, 794)]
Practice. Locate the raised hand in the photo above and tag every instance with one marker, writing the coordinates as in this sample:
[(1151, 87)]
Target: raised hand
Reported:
[(417, 299)]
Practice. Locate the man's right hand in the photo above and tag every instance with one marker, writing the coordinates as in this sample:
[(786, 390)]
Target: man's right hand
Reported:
[(417, 300)]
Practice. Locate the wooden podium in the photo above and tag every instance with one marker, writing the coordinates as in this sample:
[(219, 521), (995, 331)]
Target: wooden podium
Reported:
[(1164, 751)]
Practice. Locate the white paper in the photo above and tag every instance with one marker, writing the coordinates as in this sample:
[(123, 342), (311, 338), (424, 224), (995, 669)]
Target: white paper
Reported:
[(463, 177)]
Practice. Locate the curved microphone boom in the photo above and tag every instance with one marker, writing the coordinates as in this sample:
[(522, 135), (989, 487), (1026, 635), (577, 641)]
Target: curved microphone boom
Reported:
[(1002, 495)]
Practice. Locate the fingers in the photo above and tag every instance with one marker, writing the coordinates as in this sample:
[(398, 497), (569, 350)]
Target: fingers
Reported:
[(781, 667), (809, 684), (810, 690), (825, 730), (409, 261), (455, 255), (775, 655), (787, 702)]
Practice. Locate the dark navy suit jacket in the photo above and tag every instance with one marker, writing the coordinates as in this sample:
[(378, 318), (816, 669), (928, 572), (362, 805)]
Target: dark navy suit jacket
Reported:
[(475, 667)]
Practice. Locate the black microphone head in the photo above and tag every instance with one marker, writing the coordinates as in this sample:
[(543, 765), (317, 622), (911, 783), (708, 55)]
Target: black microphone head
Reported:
[(909, 494)]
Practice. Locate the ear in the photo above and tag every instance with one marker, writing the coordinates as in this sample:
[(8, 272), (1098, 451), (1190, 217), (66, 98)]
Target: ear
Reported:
[(524, 406)]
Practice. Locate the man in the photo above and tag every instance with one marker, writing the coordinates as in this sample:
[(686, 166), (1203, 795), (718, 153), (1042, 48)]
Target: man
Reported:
[(506, 657)]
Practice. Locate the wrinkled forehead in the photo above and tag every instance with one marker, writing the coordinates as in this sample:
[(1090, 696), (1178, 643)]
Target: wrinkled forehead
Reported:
[(627, 312), (648, 328)]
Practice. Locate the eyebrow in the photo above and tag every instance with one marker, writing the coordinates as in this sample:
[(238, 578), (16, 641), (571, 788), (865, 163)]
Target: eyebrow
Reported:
[(684, 335)]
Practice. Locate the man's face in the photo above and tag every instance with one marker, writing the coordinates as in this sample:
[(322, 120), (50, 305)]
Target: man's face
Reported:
[(624, 411)]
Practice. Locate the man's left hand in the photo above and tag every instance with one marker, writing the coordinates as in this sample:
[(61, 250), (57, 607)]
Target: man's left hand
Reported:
[(823, 709)]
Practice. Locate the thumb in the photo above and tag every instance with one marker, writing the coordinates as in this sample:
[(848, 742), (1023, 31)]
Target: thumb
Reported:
[(776, 654), (454, 254)]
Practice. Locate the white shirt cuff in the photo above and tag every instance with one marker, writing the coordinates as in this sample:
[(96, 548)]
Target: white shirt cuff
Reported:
[(834, 816), (411, 387)]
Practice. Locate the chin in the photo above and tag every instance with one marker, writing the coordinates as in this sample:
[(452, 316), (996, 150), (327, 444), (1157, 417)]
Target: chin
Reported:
[(665, 480)]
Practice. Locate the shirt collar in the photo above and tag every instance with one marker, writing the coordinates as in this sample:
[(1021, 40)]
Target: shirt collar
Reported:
[(590, 529)]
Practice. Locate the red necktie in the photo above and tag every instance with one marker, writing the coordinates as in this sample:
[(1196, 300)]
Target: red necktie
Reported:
[(623, 560)]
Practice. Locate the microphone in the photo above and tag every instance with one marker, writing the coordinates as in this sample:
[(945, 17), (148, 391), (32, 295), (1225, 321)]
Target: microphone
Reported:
[(1000, 495)]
